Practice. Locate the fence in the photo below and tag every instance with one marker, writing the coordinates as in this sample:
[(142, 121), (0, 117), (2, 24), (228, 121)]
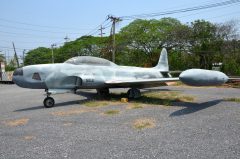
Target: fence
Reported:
[(6, 77)]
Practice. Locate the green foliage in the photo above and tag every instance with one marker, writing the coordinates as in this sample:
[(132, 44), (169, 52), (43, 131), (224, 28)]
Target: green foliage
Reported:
[(196, 45), (9, 68), (11, 65), (232, 66), (40, 55), (84, 46), (2, 58), (205, 42), (149, 37)]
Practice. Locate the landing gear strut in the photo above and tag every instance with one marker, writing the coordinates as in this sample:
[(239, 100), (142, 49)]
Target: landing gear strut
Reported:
[(103, 92), (48, 101), (134, 93)]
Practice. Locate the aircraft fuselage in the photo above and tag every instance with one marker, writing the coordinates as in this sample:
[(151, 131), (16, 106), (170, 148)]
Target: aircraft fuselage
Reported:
[(69, 76)]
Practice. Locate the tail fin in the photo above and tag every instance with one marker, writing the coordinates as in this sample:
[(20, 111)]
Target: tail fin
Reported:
[(162, 65)]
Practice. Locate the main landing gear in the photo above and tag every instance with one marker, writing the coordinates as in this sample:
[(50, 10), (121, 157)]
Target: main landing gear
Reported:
[(48, 101), (104, 92), (134, 93)]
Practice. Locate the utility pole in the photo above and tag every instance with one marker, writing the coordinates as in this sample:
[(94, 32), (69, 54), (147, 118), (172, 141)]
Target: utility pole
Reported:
[(15, 54), (6, 58), (101, 31), (66, 39), (114, 21), (23, 57), (52, 52), (3, 55)]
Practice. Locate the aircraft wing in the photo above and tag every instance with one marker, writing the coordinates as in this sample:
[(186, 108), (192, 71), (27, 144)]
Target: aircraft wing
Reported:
[(233, 79), (140, 83), (60, 91)]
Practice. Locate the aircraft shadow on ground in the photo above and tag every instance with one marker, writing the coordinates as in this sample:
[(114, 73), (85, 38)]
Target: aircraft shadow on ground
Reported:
[(93, 95), (159, 90), (189, 107), (88, 95), (56, 105)]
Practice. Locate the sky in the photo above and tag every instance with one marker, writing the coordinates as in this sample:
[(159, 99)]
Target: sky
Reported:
[(34, 23)]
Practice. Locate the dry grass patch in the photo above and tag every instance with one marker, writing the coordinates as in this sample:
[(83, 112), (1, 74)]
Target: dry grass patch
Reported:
[(112, 99), (155, 98), (95, 103), (164, 98), (177, 83), (28, 137), (185, 98), (111, 112), (67, 124), (144, 123), (232, 100), (99, 103), (134, 106), (71, 112), (17, 122)]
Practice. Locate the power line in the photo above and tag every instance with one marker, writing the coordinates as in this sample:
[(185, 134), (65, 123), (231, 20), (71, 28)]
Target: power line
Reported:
[(95, 30), (10, 48), (36, 25), (201, 7), (30, 42), (24, 34), (201, 12), (223, 15), (5, 26)]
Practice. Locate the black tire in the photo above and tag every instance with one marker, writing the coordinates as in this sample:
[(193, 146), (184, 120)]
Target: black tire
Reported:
[(129, 94), (104, 92), (48, 102), (133, 93)]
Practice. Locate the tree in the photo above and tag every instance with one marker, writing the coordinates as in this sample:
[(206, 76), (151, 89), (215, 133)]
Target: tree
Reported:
[(11, 65), (148, 37), (83, 46), (40, 55), (205, 42), (139, 44), (2, 58)]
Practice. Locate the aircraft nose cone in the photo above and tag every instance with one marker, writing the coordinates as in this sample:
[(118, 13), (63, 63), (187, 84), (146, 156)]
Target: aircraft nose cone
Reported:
[(18, 72), (17, 76), (186, 75), (225, 78)]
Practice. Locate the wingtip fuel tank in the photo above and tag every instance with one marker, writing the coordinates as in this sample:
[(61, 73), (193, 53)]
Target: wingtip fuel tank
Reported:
[(201, 77)]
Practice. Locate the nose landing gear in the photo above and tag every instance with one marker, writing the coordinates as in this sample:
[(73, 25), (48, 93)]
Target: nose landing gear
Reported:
[(48, 101)]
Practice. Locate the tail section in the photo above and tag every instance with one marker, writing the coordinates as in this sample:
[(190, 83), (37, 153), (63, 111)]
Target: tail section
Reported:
[(162, 65)]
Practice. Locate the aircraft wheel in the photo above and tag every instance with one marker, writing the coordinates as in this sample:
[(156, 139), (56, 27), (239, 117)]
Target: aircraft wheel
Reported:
[(48, 102), (134, 93), (103, 92)]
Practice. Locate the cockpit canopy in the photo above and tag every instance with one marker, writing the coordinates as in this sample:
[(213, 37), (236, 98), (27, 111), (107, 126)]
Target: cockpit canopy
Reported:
[(89, 60)]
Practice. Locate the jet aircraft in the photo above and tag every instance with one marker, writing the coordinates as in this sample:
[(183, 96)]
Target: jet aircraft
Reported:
[(86, 72)]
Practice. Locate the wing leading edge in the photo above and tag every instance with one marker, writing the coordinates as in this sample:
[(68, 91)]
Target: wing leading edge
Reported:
[(141, 83)]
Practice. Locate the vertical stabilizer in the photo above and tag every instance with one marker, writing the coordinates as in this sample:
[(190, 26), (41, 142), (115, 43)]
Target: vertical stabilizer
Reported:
[(162, 65)]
